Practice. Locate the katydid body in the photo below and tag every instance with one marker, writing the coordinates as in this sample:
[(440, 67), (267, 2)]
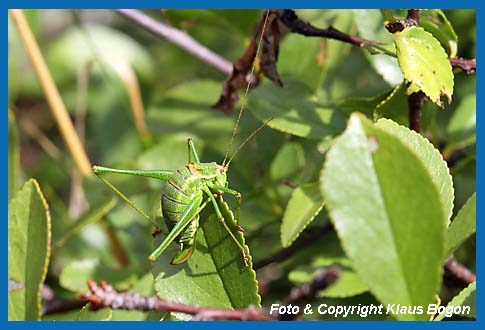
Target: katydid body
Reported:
[(185, 194), (189, 189)]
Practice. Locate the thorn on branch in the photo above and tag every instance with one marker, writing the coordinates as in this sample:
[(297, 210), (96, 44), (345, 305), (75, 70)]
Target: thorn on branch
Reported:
[(105, 295)]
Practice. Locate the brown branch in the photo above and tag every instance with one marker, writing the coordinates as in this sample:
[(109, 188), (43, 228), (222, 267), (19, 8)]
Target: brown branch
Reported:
[(415, 100), (179, 38), (415, 104), (306, 239), (459, 271), (413, 14), (289, 18), (105, 296), (468, 65), (324, 277)]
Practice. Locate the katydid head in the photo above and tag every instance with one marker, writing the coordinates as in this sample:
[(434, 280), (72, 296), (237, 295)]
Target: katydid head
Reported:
[(213, 172)]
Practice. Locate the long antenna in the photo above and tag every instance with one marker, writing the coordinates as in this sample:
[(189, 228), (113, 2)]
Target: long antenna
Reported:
[(243, 103), (247, 140)]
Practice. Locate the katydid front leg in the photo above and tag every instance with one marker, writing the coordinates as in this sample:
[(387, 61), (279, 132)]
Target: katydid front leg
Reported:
[(236, 194), (221, 219)]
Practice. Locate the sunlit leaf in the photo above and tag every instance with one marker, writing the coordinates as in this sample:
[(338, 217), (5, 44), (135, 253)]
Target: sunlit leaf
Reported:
[(383, 221), (424, 63), (436, 22)]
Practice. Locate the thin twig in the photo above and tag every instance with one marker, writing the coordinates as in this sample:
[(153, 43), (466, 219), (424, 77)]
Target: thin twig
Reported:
[(54, 99), (179, 38), (306, 239), (415, 100), (468, 65), (459, 271), (323, 278), (296, 25), (105, 296)]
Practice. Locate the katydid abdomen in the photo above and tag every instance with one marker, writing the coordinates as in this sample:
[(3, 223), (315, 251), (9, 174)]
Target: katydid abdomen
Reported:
[(181, 189)]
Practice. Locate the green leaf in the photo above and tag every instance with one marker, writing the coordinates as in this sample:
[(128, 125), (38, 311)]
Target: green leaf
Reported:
[(348, 284), (370, 26), (463, 226), (94, 215), (431, 159), (310, 68), (424, 63), (462, 125), (103, 314), (13, 156), (29, 234), (75, 276), (387, 211), (288, 162), (436, 22), (466, 298), (366, 105), (305, 203), (293, 110), (215, 275)]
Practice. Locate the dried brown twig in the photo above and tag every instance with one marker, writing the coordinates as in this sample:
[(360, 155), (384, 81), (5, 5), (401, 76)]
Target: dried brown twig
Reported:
[(105, 296)]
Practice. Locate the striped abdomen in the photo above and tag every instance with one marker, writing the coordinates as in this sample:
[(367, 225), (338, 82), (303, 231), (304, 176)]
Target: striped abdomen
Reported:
[(182, 188)]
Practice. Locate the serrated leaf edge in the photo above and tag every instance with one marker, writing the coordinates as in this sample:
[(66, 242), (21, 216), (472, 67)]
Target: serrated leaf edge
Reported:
[(406, 75), (305, 225), (442, 160)]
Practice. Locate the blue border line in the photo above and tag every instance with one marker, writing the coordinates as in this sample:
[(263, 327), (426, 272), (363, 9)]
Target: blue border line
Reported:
[(247, 4)]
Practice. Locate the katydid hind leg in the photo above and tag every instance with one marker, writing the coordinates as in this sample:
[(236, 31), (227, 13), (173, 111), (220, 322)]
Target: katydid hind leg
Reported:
[(128, 201), (155, 174)]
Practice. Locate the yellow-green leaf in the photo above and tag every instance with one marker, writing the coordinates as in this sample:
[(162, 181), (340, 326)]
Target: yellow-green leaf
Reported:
[(424, 63)]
